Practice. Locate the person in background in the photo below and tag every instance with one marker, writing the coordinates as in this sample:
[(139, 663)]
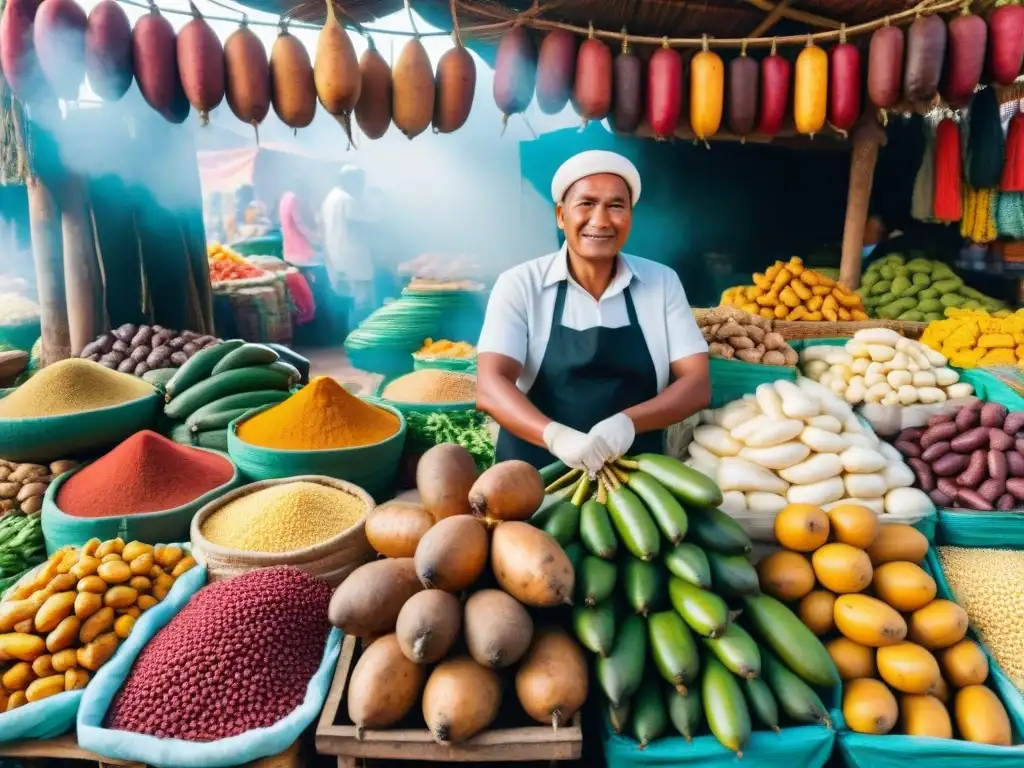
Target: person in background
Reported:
[(587, 353), (879, 241), (298, 242), (346, 247), (255, 222)]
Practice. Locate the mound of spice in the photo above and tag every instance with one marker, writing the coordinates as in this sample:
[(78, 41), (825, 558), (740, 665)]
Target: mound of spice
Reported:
[(72, 386), (284, 518), (145, 473), (321, 415), (239, 656), (430, 385)]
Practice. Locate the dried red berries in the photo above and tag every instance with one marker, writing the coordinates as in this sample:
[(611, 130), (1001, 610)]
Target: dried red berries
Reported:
[(239, 656)]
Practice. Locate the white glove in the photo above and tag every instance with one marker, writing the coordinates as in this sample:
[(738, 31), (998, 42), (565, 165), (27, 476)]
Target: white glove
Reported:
[(576, 449), (618, 433)]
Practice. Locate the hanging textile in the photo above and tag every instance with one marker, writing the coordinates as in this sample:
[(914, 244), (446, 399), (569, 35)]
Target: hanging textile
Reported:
[(986, 144), (923, 199), (1013, 166), (1010, 215), (947, 204), (979, 223)]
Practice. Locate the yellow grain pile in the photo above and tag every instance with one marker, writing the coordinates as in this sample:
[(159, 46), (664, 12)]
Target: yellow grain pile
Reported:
[(72, 386), (432, 386), (989, 584), (283, 518)]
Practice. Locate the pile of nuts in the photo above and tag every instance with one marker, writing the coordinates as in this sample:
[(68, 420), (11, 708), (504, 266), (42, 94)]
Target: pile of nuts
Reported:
[(734, 334), (137, 349), (67, 620), (22, 486)]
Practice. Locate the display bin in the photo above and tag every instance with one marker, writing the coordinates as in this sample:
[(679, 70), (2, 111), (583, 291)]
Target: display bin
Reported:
[(895, 751), (990, 389), (513, 737), (966, 528), (732, 379), (21, 336)]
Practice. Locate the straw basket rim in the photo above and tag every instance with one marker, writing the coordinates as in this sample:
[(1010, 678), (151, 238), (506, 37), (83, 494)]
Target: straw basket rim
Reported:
[(305, 557)]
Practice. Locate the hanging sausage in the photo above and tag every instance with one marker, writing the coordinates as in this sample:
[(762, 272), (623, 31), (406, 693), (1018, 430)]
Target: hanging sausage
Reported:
[(515, 73), (556, 71)]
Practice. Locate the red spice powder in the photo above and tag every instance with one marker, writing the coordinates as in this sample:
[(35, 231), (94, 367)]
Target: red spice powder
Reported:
[(145, 473)]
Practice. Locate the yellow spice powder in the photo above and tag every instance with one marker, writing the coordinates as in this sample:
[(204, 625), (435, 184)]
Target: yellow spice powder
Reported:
[(430, 385), (283, 518), (72, 386)]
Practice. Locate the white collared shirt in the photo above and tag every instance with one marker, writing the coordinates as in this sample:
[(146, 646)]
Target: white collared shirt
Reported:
[(522, 304)]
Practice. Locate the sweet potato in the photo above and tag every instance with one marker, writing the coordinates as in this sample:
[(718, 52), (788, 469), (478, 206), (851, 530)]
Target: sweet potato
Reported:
[(951, 464), (936, 451), (201, 64), (997, 465), (993, 415), (155, 60), (246, 76), (455, 84), (975, 472), (556, 69), (412, 101), (336, 68), (938, 433), (1013, 423), (940, 499), (973, 500), (627, 92), (108, 50), (924, 474), (926, 51), (1006, 502), (940, 418), (292, 90), (970, 440), (999, 440), (1014, 464), (992, 489), (908, 449), (59, 39), (948, 486), (1015, 485), (966, 418), (373, 110)]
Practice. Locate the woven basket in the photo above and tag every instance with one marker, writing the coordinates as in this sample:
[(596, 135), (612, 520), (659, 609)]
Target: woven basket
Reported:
[(262, 314), (828, 330), (330, 560)]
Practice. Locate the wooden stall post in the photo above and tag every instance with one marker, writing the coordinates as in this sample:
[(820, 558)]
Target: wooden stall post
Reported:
[(81, 268), (868, 137)]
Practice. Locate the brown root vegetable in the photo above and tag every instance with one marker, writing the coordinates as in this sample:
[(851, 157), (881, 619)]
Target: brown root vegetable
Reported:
[(498, 629), (515, 72), (336, 69), (510, 490), (412, 100), (455, 85), (384, 685), (445, 476), (452, 554), (247, 76), (556, 68), (155, 60), (461, 699), (201, 64), (552, 682), (373, 110), (394, 529), (58, 34), (428, 625), (108, 50), (530, 565), (369, 600), (292, 90)]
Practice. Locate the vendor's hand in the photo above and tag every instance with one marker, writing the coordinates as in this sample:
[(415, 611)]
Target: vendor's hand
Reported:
[(617, 432), (576, 449)]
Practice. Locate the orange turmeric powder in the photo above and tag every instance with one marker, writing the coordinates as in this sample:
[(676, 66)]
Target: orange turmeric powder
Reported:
[(320, 416)]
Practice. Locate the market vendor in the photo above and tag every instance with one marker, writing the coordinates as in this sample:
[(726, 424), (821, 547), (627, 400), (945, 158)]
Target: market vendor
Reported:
[(588, 353)]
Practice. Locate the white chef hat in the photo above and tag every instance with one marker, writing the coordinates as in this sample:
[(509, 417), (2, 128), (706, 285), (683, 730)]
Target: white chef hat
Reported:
[(591, 163)]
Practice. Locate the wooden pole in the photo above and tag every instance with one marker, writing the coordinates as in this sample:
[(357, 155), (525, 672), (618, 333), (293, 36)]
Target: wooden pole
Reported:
[(81, 269), (868, 138), (44, 220)]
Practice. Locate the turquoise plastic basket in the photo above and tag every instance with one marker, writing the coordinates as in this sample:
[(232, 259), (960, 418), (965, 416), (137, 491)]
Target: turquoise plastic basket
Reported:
[(21, 336), (999, 530), (51, 437), (732, 379), (60, 529), (372, 467), (991, 389), (894, 751)]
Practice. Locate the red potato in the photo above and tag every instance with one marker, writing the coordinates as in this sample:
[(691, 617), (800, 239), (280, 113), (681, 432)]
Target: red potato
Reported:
[(926, 51), (936, 451), (1014, 464), (292, 90), (948, 486), (997, 465), (973, 500), (971, 440), (455, 85), (923, 473), (908, 449), (966, 418), (992, 489), (885, 67), (975, 472), (664, 91), (515, 72), (627, 91), (592, 86), (556, 71), (108, 50), (844, 86), (965, 58), (1006, 43), (201, 65), (951, 464), (246, 76), (155, 60), (1006, 502), (940, 419), (1015, 486), (742, 84), (999, 440), (940, 499), (776, 73), (59, 39), (1013, 423), (993, 415), (17, 52), (937, 434)]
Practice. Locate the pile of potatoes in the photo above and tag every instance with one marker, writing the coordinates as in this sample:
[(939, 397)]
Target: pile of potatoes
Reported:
[(790, 291), (67, 619), (447, 608), (906, 662), (22, 486), (735, 334), (137, 349)]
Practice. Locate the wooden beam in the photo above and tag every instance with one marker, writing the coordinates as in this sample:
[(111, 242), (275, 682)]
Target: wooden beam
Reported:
[(868, 137), (793, 14), (771, 19)]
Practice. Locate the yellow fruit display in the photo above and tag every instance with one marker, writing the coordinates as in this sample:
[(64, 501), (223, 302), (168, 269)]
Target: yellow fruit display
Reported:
[(908, 668), (815, 611), (868, 621), (904, 586), (924, 716), (939, 624), (219, 252), (869, 707), (801, 527), (981, 716), (964, 664), (854, 524), (973, 338), (898, 541), (841, 568), (853, 660), (785, 575), (791, 291)]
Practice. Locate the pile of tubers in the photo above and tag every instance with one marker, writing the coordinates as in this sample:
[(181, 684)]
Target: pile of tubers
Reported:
[(22, 486), (138, 349), (447, 608), (733, 334)]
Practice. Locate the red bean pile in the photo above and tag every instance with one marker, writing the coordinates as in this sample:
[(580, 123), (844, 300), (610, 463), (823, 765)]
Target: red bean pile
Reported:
[(239, 656)]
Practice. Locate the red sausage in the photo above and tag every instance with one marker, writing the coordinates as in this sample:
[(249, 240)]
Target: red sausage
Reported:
[(965, 58), (592, 90), (775, 77), (556, 69), (627, 92), (664, 91), (844, 86), (515, 72), (742, 85), (885, 67), (926, 50), (1006, 46)]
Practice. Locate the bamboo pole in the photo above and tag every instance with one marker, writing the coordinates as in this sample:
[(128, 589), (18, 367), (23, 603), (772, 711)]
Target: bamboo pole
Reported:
[(81, 269), (868, 138), (44, 220)]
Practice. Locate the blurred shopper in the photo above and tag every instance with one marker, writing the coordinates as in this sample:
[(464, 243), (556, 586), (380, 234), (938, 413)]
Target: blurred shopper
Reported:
[(298, 242), (346, 245)]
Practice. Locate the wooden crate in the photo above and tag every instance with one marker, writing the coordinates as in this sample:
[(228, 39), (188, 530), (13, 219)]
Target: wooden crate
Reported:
[(335, 735), (828, 330)]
